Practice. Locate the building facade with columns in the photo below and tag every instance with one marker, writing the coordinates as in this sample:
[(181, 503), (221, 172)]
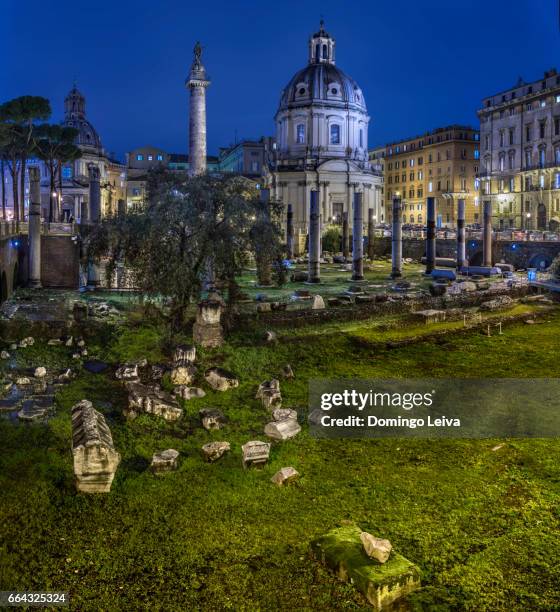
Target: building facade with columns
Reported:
[(321, 143), (520, 154)]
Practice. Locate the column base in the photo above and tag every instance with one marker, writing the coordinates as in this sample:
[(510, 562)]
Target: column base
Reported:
[(395, 274), (34, 284), (357, 277)]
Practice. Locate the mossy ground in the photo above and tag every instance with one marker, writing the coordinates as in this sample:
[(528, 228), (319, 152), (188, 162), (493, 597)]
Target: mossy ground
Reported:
[(482, 525)]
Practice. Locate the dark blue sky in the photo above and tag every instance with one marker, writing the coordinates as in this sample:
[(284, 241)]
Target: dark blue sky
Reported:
[(421, 64)]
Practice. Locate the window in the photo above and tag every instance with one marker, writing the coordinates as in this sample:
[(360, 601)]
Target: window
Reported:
[(159, 157), (361, 139), (300, 133), (541, 181), (420, 161), (67, 172), (140, 157), (486, 142), (557, 126), (420, 175), (542, 129), (557, 184), (476, 184), (528, 159), (335, 134), (557, 155), (557, 99), (528, 132), (136, 191), (543, 103), (542, 157), (412, 163), (511, 160), (430, 187), (502, 138), (254, 167), (511, 184), (150, 158), (502, 162)]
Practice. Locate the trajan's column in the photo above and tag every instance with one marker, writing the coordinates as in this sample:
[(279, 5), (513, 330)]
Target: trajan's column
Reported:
[(197, 83)]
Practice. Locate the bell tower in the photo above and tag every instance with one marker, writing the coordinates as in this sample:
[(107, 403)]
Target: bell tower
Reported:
[(321, 47)]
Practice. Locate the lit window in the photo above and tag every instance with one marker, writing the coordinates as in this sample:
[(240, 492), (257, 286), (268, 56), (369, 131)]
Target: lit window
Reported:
[(557, 99), (160, 157), (300, 133), (543, 103), (150, 157), (541, 181), (67, 172), (140, 157), (557, 180), (335, 134), (430, 187)]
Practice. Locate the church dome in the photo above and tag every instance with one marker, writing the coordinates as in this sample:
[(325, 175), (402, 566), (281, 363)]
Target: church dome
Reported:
[(75, 117), (321, 82)]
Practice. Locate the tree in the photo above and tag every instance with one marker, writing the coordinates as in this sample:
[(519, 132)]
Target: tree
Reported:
[(19, 116), (4, 139), (54, 144), (186, 226)]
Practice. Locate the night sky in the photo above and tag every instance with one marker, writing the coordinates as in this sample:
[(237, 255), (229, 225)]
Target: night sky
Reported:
[(421, 64)]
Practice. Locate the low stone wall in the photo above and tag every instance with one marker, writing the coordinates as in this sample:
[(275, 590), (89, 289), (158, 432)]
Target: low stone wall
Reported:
[(357, 312)]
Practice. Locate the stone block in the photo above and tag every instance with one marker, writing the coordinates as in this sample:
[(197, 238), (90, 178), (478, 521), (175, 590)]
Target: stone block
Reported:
[(142, 398), (381, 584), (95, 457), (187, 393), (215, 450), (184, 354), (282, 430), (166, 461), (220, 379), (182, 375), (285, 476), (212, 418), (281, 414), (429, 316), (376, 548), (255, 453)]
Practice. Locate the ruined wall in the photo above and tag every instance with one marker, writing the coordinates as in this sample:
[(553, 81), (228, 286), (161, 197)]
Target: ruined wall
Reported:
[(521, 254), (59, 261)]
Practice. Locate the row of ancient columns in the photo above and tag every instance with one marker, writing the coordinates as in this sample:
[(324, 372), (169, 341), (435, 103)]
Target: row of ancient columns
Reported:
[(396, 241), (34, 233), (314, 268)]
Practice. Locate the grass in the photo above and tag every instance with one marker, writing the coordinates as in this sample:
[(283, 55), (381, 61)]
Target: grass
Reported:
[(482, 525)]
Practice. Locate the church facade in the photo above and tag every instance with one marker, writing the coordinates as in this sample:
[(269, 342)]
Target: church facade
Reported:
[(322, 143)]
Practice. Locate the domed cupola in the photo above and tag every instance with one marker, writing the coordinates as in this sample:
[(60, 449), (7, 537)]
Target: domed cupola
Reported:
[(321, 81), (75, 117), (322, 112)]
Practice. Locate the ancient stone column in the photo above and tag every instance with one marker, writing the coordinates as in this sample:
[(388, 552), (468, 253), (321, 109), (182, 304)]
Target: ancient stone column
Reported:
[(197, 84), (207, 329), (314, 272), (370, 233), (290, 231), (34, 236), (431, 235), (345, 235), (358, 238), (263, 261), (93, 273), (487, 234), (94, 194), (461, 251), (396, 239)]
